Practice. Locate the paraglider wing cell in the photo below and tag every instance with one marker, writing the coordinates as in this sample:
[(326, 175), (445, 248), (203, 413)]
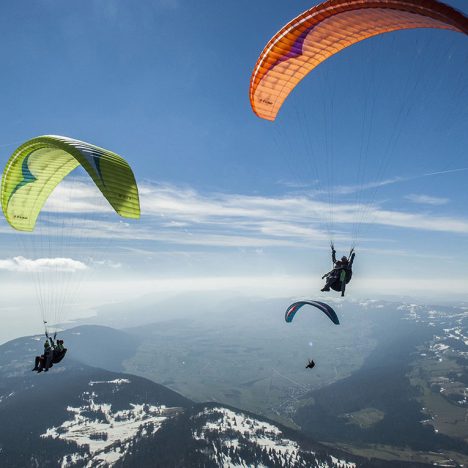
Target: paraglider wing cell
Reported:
[(325, 308)]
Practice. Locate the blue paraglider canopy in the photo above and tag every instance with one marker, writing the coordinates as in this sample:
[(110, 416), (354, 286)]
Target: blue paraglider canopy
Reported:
[(325, 308)]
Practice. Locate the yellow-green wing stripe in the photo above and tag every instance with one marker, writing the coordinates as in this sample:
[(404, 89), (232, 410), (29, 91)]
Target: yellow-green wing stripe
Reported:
[(39, 165)]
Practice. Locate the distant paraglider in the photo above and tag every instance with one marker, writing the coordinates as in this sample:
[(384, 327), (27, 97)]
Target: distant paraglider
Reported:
[(325, 308), (310, 364)]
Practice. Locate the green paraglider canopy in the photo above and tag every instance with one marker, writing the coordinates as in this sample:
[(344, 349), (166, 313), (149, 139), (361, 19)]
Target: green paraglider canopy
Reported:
[(40, 164)]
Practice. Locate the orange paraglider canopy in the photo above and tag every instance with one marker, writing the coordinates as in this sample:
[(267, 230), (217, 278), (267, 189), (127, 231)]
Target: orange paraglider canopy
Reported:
[(328, 28)]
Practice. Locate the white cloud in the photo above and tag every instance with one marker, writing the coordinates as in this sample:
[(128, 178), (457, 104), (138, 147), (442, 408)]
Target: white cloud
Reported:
[(348, 189), (427, 199), (177, 215), (77, 196), (420, 221), (296, 185), (22, 264), (297, 218), (107, 263), (186, 204)]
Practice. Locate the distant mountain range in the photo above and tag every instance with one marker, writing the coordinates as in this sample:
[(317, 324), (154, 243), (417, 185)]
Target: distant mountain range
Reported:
[(82, 415), (391, 381)]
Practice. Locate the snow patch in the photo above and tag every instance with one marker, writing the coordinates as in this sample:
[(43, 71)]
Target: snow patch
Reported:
[(115, 382), (105, 432), (232, 426)]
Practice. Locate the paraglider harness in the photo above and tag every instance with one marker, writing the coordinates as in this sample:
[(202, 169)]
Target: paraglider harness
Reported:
[(342, 274), (57, 351), (310, 364)]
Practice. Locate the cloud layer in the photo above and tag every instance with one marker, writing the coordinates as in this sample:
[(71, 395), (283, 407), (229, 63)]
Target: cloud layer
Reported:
[(182, 215)]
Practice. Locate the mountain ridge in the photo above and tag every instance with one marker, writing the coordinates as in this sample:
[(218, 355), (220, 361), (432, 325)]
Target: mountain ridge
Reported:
[(78, 415)]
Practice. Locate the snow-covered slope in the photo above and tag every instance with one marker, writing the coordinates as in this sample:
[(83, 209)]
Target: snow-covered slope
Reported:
[(219, 436), (82, 416), (105, 431), (233, 436)]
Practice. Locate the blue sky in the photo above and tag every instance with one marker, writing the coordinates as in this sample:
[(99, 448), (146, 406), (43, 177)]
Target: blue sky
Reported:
[(224, 194)]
